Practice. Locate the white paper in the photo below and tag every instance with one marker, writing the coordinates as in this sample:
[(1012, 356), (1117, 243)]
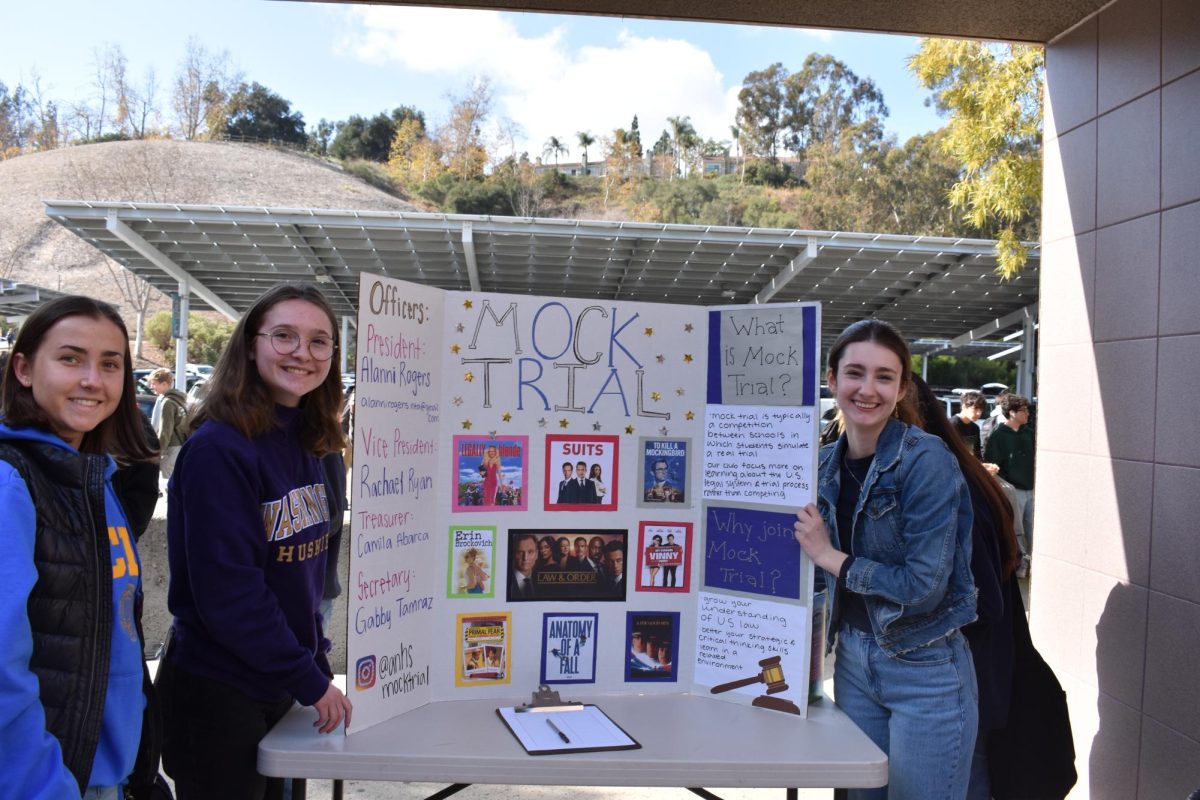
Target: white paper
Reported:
[(734, 633), (587, 728), (759, 454)]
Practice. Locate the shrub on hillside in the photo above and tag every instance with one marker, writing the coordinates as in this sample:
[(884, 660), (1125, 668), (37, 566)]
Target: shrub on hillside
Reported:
[(206, 337), (158, 330), (373, 174), (769, 173)]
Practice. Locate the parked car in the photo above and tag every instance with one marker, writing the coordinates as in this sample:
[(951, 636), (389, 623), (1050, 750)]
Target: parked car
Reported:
[(146, 403)]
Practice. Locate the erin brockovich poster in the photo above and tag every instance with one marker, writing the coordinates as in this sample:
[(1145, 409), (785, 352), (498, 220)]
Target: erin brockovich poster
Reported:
[(472, 564), (490, 474)]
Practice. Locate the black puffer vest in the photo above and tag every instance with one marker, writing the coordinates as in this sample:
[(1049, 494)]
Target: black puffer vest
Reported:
[(70, 607)]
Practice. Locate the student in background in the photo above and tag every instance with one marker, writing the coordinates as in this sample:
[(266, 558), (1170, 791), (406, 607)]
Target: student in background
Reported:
[(974, 406), (247, 538), (170, 418)]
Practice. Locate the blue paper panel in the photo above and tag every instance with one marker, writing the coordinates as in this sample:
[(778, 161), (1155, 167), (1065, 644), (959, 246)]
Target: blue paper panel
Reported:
[(750, 550)]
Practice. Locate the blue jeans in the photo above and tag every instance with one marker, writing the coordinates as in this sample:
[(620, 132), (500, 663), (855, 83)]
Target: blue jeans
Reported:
[(922, 709)]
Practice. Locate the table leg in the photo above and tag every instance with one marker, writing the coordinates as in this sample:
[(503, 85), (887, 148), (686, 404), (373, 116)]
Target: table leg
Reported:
[(299, 789), (705, 793), (453, 788), (337, 789), (793, 794)]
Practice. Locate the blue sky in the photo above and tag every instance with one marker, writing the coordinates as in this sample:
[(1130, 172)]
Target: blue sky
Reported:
[(551, 74)]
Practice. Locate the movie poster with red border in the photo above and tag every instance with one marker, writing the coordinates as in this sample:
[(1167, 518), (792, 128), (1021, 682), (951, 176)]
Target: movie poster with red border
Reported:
[(664, 555), (593, 483)]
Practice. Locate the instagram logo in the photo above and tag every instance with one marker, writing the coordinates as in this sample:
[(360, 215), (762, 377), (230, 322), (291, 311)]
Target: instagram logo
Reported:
[(364, 673)]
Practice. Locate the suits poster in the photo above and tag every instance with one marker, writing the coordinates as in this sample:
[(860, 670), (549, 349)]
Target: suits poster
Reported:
[(581, 473)]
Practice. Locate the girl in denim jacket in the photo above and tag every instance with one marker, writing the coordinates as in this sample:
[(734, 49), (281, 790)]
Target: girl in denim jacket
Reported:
[(892, 531)]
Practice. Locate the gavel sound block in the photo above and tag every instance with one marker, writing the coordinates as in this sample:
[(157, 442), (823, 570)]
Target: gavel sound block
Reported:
[(772, 676)]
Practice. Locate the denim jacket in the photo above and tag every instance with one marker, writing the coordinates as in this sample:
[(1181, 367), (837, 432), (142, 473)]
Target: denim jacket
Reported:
[(912, 540)]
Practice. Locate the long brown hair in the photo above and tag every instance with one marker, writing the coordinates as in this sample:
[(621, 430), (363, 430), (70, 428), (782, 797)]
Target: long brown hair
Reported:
[(934, 421), (122, 433), (240, 399), (885, 335)]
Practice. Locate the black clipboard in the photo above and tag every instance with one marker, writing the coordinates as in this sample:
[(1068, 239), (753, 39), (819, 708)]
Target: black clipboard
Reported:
[(569, 728)]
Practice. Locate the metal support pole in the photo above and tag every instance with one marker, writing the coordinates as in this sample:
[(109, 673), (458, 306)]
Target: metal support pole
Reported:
[(1027, 366), (345, 341), (181, 342)]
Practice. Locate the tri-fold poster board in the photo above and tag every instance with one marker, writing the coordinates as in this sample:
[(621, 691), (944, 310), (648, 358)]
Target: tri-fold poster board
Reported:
[(567, 491)]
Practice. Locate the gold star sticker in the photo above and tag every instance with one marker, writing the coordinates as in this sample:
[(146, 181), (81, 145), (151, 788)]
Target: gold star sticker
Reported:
[(687, 358), (466, 304), (629, 429), (661, 359), (470, 376), (688, 328), (691, 415), (459, 327), (649, 331), (507, 417), (655, 396), (454, 349), (562, 423), (466, 424)]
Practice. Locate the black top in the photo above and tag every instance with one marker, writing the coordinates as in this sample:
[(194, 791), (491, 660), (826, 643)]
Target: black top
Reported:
[(969, 432), (853, 609)]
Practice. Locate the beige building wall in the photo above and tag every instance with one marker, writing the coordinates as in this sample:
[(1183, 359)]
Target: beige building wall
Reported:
[(1115, 605)]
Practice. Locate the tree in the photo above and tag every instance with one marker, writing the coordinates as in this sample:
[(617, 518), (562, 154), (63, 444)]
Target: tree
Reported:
[(760, 113), (553, 147), (414, 158), (255, 112), (635, 137), (683, 139), (461, 140), (137, 293), (143, 105), (993, 94), (371, 139), (320, 136), (824, 99), (202, 85), (585, 140)]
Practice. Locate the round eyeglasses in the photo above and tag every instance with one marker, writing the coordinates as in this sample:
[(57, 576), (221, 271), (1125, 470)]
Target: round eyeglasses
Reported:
[(285, 343)]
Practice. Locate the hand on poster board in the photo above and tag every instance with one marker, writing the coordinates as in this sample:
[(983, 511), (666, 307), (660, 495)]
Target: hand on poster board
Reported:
[(813, 537)]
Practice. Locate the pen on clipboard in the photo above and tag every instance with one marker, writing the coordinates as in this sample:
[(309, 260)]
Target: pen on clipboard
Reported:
[(558, 730)]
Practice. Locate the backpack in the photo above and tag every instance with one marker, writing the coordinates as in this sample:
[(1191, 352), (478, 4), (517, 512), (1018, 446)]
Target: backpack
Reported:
[(182, 429)]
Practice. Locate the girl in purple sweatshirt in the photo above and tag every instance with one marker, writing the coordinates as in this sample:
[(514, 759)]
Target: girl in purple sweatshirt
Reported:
[(247, 536)]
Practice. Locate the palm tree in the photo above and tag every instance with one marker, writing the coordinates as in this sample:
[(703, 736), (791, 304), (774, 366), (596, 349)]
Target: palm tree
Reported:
[(553, 147), (737, 148), (585, 139), (683, 134)]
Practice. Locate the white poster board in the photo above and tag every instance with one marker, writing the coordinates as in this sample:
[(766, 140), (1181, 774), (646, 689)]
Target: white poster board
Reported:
[(526, 498)]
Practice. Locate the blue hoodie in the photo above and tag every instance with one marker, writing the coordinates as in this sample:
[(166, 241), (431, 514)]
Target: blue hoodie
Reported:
[(31, 764)]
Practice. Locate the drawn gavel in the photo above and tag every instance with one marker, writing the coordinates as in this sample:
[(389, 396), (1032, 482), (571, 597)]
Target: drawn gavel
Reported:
[(771, 675)]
